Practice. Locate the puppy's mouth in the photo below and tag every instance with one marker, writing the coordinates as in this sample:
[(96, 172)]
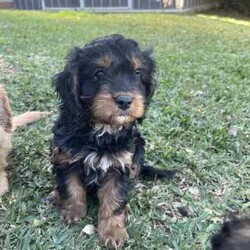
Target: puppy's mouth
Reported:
[(117, 110)]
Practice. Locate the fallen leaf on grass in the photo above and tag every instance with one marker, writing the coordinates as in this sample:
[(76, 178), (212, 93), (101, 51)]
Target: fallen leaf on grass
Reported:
[(88, 229), (233, 131)]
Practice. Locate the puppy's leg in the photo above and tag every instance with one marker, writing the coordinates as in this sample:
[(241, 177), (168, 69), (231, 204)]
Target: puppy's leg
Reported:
[(112, 213), (4, 187), (5, 147), (72, 197)]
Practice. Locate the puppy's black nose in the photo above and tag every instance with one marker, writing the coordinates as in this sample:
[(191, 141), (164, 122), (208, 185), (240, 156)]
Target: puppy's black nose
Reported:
[(123, 101)]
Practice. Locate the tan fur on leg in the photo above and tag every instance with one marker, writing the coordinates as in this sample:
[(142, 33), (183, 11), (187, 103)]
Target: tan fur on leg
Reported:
[(111, 226), (5, 147), (74, 207), (4, 186)]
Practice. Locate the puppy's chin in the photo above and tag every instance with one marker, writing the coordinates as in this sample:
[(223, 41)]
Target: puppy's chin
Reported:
[(116, 120), (122, 120)]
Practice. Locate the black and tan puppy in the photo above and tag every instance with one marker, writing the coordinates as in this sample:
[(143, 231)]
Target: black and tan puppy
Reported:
[(104, 90), (234, 235)]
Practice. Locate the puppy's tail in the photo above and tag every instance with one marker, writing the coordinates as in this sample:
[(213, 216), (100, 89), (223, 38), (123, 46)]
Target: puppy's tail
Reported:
[(151, 172), (27, 117)]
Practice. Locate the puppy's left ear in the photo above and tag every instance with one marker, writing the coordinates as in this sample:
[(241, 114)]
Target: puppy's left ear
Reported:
[(149, 80)]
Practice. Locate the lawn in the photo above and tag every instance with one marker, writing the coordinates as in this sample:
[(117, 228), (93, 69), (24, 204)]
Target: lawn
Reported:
[(198, 123)]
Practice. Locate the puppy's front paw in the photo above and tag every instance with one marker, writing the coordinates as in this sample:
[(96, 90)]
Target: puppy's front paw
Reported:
[(112, 232), (4, 186), (73, 213)]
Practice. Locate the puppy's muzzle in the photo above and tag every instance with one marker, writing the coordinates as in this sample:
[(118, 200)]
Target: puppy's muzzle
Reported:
[(123, 101)]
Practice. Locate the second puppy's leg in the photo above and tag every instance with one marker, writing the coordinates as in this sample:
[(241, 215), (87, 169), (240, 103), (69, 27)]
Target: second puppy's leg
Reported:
[(5, 147)]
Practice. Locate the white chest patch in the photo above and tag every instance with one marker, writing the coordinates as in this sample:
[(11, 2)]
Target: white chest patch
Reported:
[(105, 161), (101, 129)]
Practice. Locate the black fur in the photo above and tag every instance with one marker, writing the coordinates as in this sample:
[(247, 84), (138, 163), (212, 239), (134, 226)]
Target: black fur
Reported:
[(234, 235)]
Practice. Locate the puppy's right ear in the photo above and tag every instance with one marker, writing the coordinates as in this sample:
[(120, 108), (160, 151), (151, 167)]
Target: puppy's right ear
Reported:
[(66, 83), (5, 111)]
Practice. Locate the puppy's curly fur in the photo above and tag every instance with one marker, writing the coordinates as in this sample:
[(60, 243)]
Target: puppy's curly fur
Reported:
[(8, 125), (104, 89), (234, 235)]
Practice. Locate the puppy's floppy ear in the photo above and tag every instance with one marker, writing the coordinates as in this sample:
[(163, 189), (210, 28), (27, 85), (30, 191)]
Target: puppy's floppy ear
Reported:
[(66, 83), (5, 111), (149, 80)]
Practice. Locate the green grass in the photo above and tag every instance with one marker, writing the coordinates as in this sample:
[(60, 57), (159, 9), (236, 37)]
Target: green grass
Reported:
[(203, 88)]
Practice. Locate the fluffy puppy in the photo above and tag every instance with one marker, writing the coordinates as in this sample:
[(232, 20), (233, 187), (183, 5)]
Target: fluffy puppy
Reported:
[(8, 125), (234, 235), (104, 89)]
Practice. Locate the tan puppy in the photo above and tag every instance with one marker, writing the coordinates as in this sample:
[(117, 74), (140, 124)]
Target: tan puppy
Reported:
[(8, 125)]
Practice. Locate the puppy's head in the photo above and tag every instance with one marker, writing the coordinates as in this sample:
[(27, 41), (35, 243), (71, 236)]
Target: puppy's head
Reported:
[(110, 76)]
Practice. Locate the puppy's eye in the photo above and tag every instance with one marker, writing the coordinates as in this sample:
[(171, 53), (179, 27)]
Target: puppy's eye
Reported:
[(137, 72), (99, 74)]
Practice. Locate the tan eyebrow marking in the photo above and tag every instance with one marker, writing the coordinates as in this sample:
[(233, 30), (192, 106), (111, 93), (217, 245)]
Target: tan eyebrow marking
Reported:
[(136, 62), (104, 61)]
